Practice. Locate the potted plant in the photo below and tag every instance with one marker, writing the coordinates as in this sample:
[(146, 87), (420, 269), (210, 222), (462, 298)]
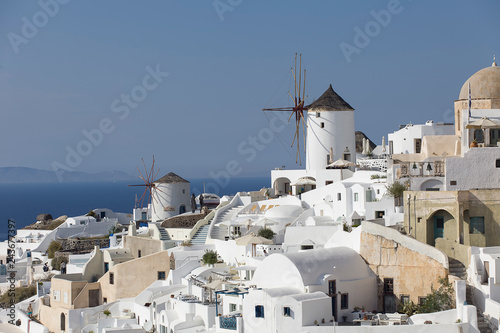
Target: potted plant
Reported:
[(107, 313), (396, 190), (473, 143)]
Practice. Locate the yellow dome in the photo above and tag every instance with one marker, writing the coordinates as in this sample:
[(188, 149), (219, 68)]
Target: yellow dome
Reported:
[(484, 84)]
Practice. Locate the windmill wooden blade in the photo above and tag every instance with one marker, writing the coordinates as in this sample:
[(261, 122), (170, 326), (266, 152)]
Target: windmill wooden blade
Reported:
[(299, 105)]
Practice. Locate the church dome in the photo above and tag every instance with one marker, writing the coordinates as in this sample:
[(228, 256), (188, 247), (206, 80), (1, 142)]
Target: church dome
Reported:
[(484, 84)]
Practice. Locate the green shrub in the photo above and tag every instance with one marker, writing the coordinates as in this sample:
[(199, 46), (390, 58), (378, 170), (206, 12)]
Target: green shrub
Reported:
[(440, 299), (56, 262), (266, 233), (53, 248), (396, 191), (210, 257), (20, 295), (91, 213)]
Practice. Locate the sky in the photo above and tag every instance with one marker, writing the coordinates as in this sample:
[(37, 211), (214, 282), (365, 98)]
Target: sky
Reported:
[(97, 85)]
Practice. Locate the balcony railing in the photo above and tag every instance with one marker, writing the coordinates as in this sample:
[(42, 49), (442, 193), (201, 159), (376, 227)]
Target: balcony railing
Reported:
[(228, 323)]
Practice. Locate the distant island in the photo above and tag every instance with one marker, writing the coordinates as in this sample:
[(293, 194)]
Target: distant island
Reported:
[(15, 175)]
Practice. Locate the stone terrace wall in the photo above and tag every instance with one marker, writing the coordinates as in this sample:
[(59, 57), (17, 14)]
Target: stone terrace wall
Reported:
[(82, 245), (414, 267)]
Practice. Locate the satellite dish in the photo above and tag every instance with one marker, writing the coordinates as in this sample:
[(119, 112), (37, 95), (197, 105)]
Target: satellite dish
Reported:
[(148, 326)]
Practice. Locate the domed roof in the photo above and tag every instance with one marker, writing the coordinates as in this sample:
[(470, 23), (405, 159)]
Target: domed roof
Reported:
[(484, 84)]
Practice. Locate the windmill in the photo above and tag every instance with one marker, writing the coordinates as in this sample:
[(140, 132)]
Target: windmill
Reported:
[(152, 191), (299, 106)]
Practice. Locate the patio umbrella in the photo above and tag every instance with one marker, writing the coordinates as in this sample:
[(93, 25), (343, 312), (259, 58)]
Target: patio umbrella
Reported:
[(331, 155), (253, 239), (483, 123), (215, 284), (304, 181), (383, 144), (340, 163)]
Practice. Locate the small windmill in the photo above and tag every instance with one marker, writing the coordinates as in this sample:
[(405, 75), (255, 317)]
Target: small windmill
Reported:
[(299, 106), (153, 192)]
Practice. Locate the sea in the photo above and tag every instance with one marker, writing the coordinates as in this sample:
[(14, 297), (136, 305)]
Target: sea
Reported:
[(23, 202)]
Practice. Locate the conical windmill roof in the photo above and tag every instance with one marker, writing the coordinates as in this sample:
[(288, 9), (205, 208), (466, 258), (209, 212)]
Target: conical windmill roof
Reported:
[(171, 178), (330, 101)]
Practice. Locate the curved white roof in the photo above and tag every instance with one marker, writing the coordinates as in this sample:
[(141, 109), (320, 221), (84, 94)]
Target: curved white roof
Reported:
[(301, 269), (284, 211)]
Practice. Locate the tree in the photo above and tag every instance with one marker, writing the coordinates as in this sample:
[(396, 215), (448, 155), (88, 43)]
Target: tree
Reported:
[(266, 233), (56, 262), (91, 213), (210, 257), (440, 299), (53, 248), (396, 190)]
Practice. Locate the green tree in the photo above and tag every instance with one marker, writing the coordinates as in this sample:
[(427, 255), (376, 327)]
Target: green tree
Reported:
[(266, 233), (210, 257), (440, 299), (53, 248), (396, 190)]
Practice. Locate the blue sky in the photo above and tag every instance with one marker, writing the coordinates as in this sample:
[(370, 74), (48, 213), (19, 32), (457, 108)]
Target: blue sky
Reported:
[(226, 60)]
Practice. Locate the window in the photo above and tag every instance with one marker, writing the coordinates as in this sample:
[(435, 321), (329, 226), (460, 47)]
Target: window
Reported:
[(322, 125), (328, 182), (332, 287), (356, 197), (378, 191), (453, 182), (318, 114), (106, 267), (259, 311), (497, 163), (421, 300), (287, 312), (144, 216), (344, 301), (379, 214), (476, 225), (405, 299), (389, 285), (232, 307), (105, 300), (139, 253), (161, 275), (347, 157), (339, 196), (478, 135), (306, 247), (111, 278)]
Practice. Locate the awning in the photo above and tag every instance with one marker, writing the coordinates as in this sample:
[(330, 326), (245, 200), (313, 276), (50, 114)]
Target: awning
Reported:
[(304, 181)]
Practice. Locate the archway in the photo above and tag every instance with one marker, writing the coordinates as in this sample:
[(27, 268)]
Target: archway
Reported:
[(282, 186), (441, 224), (432, 185)]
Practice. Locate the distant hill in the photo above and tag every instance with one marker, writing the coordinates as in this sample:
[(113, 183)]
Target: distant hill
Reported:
[(11, 175)]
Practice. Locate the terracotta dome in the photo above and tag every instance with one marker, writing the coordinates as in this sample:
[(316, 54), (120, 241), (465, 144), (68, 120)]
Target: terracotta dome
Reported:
[(484, 84)]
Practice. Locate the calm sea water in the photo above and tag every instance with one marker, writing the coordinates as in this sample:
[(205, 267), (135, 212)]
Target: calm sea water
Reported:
[(23, 202)]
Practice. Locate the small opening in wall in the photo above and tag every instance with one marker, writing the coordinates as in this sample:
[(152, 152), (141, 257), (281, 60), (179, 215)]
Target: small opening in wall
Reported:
[(497, 163), (322, 125), (454, 182)]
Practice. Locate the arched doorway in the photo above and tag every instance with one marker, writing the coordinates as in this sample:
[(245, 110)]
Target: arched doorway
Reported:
[(441, 224), (63, 322), (182, 209), (282, 186), (432, 185)]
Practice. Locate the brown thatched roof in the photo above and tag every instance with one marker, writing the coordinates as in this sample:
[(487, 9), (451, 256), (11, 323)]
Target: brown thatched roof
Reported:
[(330, 101), (183, 221), (171, 178)]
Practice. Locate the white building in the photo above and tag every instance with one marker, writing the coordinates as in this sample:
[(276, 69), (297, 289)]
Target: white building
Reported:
[(170, 197), (330, 129), (408, 139)]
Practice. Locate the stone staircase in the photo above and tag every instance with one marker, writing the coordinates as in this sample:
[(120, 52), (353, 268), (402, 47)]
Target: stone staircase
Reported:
[(481, 322), (201, 235), (457, 269), (163, 234), (219, 232)]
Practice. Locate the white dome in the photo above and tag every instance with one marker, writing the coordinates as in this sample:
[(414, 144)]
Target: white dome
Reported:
[(284, 211)]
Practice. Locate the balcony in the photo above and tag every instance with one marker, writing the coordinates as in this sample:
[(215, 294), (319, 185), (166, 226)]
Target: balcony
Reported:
[(421, 169)]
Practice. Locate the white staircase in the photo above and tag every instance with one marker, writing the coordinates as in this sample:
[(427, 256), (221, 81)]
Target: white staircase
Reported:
[(201, 235)]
